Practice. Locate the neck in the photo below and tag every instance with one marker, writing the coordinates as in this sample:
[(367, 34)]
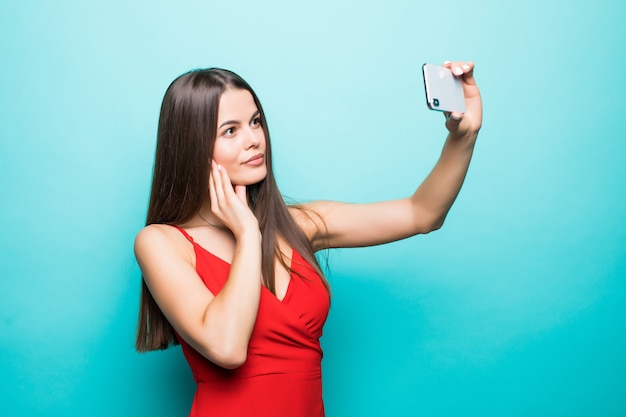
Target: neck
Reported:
[(209, 219)]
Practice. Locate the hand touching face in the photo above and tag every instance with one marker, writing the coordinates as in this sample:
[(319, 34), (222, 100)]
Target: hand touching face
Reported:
[(240, 140)]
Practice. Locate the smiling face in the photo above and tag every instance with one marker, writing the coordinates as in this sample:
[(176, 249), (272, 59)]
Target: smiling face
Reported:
[(240, 140)]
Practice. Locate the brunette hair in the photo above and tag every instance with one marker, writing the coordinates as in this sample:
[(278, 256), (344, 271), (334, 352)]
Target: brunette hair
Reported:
[(185, 140)]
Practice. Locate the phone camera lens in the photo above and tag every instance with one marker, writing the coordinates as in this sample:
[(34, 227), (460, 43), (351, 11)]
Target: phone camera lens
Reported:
[(436, 102)]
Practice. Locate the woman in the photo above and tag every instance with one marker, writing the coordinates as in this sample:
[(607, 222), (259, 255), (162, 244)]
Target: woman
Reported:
[(229, 270)]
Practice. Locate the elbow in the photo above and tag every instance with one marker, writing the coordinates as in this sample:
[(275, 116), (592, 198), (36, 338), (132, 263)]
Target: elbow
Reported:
[(227, 358), (232, 362), (437, 225), (430, 229), (426, 219), (433, 225)]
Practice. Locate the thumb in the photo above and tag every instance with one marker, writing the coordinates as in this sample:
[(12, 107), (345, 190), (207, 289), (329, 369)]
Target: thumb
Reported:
[(453, 120), (240, 190)]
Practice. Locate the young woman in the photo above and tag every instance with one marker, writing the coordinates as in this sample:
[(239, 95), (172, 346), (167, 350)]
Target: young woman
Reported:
[(229, 270)]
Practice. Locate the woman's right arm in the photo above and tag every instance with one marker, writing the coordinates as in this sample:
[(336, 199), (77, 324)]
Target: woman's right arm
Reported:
[(219, 327)]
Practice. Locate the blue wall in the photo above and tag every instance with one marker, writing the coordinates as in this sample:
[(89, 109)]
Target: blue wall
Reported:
[(515, 308)]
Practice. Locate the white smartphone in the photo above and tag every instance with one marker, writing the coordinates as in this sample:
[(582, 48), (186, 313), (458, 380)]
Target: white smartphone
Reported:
[(444, 91)]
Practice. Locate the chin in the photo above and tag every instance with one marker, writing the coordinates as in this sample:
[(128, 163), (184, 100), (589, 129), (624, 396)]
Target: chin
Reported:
[(249, 179)]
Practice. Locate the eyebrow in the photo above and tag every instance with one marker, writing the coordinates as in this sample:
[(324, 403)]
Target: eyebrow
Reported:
[(236, 122)]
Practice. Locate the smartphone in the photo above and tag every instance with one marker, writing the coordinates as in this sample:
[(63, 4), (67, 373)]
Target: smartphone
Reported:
[(444, 91)]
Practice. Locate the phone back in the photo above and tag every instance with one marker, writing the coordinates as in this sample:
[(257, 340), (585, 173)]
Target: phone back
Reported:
[(444, 92)]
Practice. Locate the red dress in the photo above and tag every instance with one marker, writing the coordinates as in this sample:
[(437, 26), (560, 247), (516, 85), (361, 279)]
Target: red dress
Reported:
[(282, 374)]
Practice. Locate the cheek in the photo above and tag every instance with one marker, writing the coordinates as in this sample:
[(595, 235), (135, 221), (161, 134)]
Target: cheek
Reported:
[(262, 139), (228, 160), (221, 154)]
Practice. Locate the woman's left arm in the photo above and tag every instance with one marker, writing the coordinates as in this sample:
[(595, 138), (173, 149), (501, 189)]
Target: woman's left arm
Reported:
[(350, 225)]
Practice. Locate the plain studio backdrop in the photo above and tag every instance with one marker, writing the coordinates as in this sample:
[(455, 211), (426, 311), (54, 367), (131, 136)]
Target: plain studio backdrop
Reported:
[(515, 308)]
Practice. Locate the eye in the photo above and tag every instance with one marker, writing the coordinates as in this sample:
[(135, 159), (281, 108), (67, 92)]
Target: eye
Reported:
[(229, 132), (256, 121)]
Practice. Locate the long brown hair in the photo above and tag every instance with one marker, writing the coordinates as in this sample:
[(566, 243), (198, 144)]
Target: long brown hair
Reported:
[(185, 140)]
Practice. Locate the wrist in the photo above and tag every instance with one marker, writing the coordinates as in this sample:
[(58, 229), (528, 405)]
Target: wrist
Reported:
[(249, 235)]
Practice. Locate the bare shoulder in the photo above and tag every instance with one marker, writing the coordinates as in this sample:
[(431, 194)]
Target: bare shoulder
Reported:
[(158, 241), (155, 235)]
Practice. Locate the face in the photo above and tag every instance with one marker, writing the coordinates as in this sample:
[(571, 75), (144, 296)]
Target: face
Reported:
[(240, 141)]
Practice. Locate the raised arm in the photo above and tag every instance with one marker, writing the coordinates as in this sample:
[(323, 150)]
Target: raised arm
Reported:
[(219, 327), (333, 224)]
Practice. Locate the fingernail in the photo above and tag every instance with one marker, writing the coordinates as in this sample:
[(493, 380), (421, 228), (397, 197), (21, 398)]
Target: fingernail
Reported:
[(455, 117), (457, 71), (219, 167), (466, 67)]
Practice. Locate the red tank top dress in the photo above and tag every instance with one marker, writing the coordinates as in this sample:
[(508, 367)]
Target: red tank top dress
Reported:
[(282, 374)]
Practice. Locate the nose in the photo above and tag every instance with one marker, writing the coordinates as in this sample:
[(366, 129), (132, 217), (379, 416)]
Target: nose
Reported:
[(253, 138)]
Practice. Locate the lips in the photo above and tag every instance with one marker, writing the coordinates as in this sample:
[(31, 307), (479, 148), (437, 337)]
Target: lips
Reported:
[(255, 160)]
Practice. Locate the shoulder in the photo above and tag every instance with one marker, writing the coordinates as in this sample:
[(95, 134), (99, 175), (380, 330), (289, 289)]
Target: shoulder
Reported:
[(160, 240), (156, 234)]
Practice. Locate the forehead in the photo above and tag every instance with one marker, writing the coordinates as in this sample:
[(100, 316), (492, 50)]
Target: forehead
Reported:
[(235, 104)]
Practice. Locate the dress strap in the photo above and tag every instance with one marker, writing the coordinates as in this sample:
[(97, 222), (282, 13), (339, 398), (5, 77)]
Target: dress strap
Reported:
[(180, 229)]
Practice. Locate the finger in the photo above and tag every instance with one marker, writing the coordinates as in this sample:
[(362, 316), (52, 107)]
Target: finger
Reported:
[(468, 73), (464, 70), (240, 190), (212, 193), (217, 184), (225, 182), (453, 121), (456, 67), (459, 68)]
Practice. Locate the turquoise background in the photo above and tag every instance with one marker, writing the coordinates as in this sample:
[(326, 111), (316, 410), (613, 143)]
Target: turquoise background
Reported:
[(515, 308)]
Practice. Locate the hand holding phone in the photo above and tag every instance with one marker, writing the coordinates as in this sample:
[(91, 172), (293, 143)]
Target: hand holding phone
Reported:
[(444, 91)]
